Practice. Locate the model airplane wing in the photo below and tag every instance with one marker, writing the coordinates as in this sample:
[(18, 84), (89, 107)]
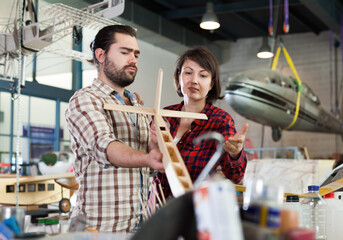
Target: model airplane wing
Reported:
[(151, 111), (69, 183), (33, 179), (131, 109)]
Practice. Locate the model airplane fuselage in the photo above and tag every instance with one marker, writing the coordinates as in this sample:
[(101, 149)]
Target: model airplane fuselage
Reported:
[(37, 190), (268, 97)]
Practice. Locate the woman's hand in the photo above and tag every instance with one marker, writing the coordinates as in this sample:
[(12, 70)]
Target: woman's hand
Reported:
[(234, 145)]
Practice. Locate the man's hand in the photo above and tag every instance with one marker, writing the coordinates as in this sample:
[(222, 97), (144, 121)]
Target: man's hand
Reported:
[(234, 145), (155, 160)]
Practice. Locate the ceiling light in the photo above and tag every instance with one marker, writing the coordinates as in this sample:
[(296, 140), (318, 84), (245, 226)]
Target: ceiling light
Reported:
[(265, 51), (210, 20)]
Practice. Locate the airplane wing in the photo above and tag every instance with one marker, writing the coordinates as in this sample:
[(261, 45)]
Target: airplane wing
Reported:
[(331, 187), (69, 53), (7, 175), (32, 179), (69, 183), (179, 114), (151, 111), (131, 109)]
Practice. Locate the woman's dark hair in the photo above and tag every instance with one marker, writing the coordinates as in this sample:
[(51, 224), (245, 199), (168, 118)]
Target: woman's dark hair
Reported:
[(205, 59), (106, 36)]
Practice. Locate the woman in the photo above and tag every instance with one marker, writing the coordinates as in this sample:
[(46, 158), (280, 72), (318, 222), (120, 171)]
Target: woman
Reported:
[(197, 80)]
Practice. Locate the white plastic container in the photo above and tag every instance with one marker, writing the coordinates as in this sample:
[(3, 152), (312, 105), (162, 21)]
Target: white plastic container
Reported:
[(216, 211), (314, 212), (334, 217)]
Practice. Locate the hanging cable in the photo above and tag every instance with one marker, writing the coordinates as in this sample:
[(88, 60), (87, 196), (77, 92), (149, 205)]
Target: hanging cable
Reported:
[(340, 95), (286, 21), (331, 75), (270, 26), (20, 75)]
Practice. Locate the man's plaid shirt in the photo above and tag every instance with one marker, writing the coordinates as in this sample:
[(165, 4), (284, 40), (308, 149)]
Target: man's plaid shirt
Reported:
[(108, 195)]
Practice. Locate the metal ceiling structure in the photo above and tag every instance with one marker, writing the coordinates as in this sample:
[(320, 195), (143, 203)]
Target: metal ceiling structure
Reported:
[(178, 20), (248, 18)]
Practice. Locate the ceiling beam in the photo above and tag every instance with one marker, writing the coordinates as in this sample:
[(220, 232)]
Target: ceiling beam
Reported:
[(298, 17), (217, 8), (326, 11), (173, 8), (248, 20)]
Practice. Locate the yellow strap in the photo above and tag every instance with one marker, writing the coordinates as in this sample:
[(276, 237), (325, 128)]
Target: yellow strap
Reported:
[(276, 58), (289, 60), (290, 63)]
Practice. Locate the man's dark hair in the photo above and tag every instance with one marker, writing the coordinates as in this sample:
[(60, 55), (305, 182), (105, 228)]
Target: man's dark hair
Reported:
[(106, 37), (205, 59)]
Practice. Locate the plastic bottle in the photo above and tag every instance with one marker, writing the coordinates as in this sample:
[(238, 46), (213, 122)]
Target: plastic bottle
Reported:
[(262, 204), (334, 217), (216, 210), (314, 212), (293, 203)]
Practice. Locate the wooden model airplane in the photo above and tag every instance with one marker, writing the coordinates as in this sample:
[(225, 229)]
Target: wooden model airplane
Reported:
[(38, 190), (176, 171)]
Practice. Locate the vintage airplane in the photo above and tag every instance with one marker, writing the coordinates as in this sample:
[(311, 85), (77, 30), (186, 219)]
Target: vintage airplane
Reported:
[(38, 190), (270, 98)]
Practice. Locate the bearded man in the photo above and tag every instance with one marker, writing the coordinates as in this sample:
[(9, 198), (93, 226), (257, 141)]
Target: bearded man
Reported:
[(113, 151)]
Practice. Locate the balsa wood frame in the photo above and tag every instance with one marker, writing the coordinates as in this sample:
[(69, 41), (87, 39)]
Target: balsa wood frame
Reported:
[(175, 169)]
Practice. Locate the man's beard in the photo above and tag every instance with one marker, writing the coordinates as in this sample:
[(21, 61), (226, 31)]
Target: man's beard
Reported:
[(119, 76)]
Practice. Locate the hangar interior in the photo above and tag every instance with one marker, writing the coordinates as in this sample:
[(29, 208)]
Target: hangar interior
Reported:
[(32, 123)]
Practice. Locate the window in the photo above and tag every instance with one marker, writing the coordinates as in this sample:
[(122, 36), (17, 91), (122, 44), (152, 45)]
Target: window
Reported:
[(51, 187), (9, 188), (41, 187), (31, 187), (22, 188)]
